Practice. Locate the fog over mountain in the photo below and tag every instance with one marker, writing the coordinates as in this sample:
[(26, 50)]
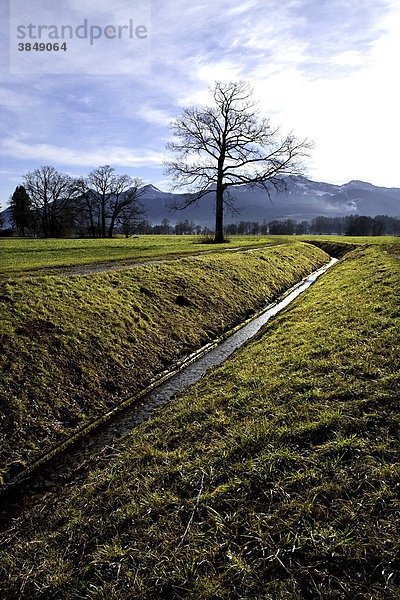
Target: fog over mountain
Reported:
[(303, 200)]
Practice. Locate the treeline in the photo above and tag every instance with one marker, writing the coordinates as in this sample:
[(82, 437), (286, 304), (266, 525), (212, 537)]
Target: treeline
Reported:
[(356, 225), (144, 227), (350, 225), (53, 204)]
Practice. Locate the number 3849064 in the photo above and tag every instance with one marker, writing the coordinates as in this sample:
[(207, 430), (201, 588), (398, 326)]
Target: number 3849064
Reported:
[(42, 47)]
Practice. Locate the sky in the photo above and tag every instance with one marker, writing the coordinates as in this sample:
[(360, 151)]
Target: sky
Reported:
[(324, 69)]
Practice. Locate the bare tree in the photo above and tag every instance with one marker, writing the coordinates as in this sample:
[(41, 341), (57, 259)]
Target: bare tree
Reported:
[(101, 182), (228, 145), (87, 212), (125, 200), (51, 193), (110, 196)]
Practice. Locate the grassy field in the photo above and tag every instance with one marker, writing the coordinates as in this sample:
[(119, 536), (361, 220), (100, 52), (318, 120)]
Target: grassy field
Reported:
[(19, 255), (383, 240), (276, 477), (72, 348)]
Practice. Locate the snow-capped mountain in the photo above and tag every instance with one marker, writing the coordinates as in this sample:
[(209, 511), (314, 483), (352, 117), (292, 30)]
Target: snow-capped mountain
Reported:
[(302, 199)]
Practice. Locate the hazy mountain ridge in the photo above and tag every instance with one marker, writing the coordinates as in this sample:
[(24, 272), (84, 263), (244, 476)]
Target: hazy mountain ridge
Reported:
[(303, 199)]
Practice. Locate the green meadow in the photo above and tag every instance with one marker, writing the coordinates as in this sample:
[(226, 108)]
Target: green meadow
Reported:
[(277, 476), (75, 347), (20, 255)]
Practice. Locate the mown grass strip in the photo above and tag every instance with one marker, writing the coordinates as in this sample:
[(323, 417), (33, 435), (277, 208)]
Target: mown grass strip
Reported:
[(73, 349), (19, 256), (276, 477)]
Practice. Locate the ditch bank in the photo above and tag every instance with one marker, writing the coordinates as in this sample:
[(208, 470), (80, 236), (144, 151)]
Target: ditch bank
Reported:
[(333, 248), (74, 349)]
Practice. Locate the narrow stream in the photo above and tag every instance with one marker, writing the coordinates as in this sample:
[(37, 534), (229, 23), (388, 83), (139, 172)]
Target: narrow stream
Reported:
[(191, 373), (48, 474)]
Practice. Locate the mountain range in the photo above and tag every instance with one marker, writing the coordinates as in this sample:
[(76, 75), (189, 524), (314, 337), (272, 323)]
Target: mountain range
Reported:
[(303, 199)]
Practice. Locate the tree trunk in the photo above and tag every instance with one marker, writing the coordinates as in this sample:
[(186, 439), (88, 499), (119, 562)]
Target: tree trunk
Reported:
[(92, 227), (103, 218), (219, 205), (219, 228), (111, 227)]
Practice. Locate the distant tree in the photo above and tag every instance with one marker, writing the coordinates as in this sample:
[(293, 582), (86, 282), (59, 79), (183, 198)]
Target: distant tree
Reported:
[(327, 225), (365, 225), (142, 227), (392, 225), (128, 221), (321, 225), (255, 228), (358, 225), (127, 225), (51, 195), (207, 231), (264, 227), (302, 228), (112, 198), (164, 229), (185, 227), (338, 225), (101, 182), (286, 227), (21, 212), (355, 225), (243, 227), (125, 200), (228, 145), (87, 211), (378, 225), (275, 227), (395, 226), (231, 229)]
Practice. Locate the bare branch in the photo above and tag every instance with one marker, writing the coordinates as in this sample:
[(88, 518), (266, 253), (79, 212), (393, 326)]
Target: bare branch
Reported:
[(228, 145)]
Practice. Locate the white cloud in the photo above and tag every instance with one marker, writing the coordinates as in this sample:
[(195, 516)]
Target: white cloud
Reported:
[(153, 115), (242, 8), (49, 153), (222, 70), (16, 101), (353, 119), (350, 58)]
